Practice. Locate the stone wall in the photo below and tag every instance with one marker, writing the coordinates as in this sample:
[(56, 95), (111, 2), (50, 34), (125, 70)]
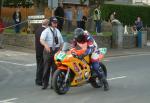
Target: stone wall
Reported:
[(27, 41), (148, 34), (129, 41), (103, 41)]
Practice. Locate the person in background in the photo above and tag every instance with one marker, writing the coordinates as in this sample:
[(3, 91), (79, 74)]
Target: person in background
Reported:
[(17, 20), (112, 16), (83, 22), (52, 40), (79, 17), (68, 14), (134, 30), (39, 52), (1, 33), (97, 19), (59, 14), (138, 24)]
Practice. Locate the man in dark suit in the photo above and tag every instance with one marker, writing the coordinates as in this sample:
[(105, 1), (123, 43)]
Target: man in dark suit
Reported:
[(39, 52)]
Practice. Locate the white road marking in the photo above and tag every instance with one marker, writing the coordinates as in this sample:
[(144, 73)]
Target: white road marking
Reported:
[(106, 60), (30, 65), (19, 64), (130, 55), (14, 53), (117, 78), (8, 100)]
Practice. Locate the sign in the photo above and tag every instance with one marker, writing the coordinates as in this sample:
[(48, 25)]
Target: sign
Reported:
[(36, 19)]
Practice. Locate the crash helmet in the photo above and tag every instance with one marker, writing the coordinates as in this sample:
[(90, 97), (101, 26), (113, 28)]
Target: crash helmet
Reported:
[(79, 35)]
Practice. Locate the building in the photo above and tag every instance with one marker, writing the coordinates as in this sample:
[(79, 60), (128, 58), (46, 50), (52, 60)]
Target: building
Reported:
[(54, 3), (134, 2), (147, 2)]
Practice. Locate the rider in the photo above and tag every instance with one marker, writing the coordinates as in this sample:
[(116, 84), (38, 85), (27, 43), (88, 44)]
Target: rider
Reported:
[(82, 37)]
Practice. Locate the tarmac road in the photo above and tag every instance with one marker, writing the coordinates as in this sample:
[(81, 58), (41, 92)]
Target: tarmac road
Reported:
[(128, 76)]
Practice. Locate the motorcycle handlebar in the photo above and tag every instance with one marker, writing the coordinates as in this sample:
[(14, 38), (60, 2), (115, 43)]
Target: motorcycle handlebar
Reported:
[(74, 54)]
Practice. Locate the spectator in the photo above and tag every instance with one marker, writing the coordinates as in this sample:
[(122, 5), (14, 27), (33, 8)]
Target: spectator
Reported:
[(134, 30), (112, 16), (138, 24), (39, 52), (79, 17), (97, 19), (68, 15), (17, 20), (1, 33), (52, 40), (59, 13), (83, 22)]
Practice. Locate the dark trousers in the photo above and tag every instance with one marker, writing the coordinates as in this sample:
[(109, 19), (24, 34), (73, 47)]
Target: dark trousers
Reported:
[(98, 26), (40, 67), (48, 64), (60, 24), (17, 27), (69, 25), (79, 24)]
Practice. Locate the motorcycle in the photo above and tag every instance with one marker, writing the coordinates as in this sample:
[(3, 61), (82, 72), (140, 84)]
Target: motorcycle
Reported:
[(73, 71)]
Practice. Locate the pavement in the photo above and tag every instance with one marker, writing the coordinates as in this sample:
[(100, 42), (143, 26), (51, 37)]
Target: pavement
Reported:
[(110, 53), (124, 52)]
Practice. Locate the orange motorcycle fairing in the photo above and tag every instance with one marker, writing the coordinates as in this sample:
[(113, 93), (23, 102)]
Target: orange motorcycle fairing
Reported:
[(62, 67)]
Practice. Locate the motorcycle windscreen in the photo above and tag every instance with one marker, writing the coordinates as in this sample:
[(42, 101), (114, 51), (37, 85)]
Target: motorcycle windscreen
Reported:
[(66, 47)]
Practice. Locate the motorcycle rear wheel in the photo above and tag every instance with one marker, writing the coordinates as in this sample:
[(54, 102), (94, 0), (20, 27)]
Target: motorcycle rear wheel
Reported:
[(58, 82), (95, 81)]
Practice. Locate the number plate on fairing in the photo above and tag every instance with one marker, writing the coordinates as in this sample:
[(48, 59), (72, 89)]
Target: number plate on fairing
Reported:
[(61, 55), (103, 50)]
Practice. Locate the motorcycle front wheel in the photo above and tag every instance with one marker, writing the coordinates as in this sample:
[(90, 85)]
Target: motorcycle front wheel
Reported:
[(59, 84)]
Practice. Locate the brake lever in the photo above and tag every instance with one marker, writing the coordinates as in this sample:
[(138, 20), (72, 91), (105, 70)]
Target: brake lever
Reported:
[(74, 55)]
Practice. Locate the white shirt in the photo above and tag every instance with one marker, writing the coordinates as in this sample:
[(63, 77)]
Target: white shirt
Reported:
[(47, 36)]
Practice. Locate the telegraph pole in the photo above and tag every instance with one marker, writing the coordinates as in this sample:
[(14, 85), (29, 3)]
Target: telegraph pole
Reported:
[(1, 5), (0, 8)]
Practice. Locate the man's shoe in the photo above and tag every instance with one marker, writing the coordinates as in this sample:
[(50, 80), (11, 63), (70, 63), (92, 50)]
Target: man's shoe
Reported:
[(44, 86), (38, 83)]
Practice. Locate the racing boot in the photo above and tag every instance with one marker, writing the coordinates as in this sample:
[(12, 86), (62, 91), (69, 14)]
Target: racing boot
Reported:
[(104, 80), (100, 75), (106, 85)]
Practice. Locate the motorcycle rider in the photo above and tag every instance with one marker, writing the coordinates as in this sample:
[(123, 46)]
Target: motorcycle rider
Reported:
[(83, 38)]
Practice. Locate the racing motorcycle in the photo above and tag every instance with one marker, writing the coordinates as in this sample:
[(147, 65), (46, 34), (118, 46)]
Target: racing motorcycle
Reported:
[(73, 71)]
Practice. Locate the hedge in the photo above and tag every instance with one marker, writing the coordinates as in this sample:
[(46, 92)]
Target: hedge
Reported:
[(127, 14)]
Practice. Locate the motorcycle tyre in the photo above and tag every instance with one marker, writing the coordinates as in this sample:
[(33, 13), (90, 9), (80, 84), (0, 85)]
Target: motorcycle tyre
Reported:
[(104, 69), (93, 81), (55, 85)]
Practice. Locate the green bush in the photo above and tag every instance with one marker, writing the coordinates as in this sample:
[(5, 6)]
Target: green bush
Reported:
[(127, 14)]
